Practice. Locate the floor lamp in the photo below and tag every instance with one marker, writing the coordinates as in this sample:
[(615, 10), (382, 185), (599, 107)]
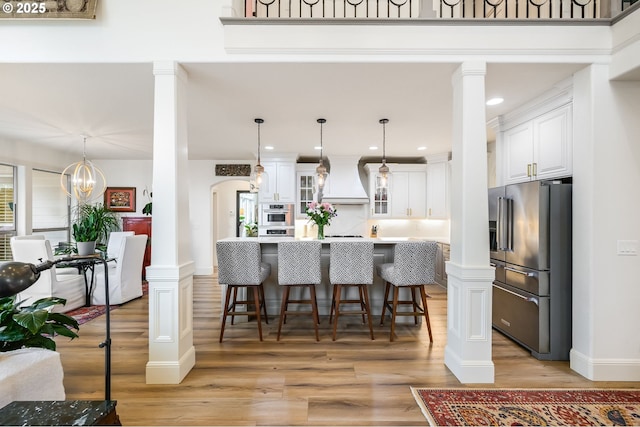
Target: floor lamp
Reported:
[(16, 277)]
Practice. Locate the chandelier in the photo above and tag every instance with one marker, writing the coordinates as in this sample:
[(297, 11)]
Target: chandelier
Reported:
[(87, 180)]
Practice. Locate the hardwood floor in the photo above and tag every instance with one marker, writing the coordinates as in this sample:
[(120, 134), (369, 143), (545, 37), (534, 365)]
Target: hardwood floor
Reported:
[(297, 381)]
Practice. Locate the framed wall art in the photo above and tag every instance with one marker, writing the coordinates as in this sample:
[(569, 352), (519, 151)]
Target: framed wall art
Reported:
[(120, 199)]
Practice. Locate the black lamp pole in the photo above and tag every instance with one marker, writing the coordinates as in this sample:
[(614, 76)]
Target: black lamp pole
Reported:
[(16, 277)]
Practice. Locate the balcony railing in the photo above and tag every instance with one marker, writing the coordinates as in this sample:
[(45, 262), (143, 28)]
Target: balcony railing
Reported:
[(491, 9)]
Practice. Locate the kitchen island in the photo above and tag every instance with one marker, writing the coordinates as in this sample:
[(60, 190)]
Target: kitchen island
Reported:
[(382, 253)]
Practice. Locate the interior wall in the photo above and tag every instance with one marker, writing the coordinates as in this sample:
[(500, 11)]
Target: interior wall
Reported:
[(139, 174), (606, 345)]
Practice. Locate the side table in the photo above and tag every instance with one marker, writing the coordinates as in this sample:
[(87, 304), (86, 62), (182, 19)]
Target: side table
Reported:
[(60, 413)]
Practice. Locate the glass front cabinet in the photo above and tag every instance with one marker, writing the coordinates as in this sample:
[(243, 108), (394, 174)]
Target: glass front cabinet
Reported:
[(306, 188)]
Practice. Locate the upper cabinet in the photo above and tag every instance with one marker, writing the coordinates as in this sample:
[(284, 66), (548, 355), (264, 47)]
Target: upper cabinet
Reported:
[(438, 186), (405, 196), (279, 184), (537, 142), (306, 188)]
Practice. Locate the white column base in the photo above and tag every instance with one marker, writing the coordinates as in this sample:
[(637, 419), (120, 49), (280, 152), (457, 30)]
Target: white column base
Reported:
[(468, 350), (171, 351), (170, 372), (469, 371)]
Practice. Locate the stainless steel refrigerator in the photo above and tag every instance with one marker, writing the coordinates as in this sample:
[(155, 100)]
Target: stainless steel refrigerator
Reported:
[(530, 239)]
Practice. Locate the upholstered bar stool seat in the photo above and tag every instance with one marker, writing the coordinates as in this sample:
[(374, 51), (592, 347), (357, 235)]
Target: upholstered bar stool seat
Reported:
[(299, 266), (240, 266), (350, 265), (413, 267)]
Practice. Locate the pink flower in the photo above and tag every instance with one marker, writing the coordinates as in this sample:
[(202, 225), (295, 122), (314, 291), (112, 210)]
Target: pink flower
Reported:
[(321, 213)]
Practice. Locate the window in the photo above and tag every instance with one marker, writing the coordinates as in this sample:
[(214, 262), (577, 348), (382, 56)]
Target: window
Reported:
[(7, 210), (51, 210)]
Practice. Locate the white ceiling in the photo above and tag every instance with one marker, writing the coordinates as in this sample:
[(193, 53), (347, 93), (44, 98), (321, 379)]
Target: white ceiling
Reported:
[(54, 104)]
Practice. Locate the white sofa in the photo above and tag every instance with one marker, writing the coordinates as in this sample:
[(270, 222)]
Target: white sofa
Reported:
[(30, 374)]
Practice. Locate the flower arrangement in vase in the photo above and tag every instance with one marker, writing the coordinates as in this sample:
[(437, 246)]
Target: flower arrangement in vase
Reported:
[(321, 215)]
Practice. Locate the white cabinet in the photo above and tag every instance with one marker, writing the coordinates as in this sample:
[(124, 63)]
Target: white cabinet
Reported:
[(306, 188), (438, 187), (279, 183), (379, 197), (540, 148), (406, 193)]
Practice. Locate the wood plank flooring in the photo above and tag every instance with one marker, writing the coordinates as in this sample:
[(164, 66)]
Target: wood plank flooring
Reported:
[(297, 381)]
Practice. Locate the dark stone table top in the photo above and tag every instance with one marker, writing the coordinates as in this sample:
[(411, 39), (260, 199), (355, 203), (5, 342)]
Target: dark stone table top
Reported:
[(59, 413)]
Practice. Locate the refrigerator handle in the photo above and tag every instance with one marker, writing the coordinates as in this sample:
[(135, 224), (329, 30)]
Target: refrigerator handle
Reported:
[(509, 225), (501, 226)]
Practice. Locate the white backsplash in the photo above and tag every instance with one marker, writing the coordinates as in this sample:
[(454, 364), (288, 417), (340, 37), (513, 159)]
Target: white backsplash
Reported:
[(353, 219)]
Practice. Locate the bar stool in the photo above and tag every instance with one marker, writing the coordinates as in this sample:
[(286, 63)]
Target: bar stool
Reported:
[(299, 266), (351, 265), (413, 267), (240, 266)]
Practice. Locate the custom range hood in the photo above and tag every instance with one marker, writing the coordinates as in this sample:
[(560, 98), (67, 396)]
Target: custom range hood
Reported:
[(344, 184)]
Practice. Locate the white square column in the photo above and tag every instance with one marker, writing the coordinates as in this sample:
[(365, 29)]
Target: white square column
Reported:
[(470, 278), (170, 275)]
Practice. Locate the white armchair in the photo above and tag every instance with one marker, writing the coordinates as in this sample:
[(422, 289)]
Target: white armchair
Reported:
[(50, 284), (115, 241), (125, 281)]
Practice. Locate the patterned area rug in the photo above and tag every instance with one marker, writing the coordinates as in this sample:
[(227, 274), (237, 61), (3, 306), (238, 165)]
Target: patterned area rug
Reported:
[(85, 314), (529, 407)]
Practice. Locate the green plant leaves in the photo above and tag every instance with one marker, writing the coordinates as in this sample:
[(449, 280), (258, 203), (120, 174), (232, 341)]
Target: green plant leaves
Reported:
[(33, 325)]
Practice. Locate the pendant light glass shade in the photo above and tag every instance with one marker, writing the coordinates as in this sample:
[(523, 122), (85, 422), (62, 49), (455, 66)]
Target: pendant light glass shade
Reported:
[(87, 180), (257, 176), (321, 170), (383, 171)]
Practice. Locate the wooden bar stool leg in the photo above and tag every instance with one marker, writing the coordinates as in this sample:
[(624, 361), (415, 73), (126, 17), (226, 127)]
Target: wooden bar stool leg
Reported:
[(337, 295), (225, 311), (264, 303), (394, 311), (314, 309), (416, 306), (283, 309), (362, 305), (333, 303), (367, 308), (233, 301), (256, 299), (385, 301), (423, 294)]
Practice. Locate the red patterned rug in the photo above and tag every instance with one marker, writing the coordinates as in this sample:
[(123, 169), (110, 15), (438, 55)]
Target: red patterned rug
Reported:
[(529, 407), (85, 314)]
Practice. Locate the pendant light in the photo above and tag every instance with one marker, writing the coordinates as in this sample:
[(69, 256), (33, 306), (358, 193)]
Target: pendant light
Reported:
[(258, 169), (87, 180), (383, 171), (321, 170)]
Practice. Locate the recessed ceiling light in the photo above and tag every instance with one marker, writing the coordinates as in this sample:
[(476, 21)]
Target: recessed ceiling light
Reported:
[(373, 147), (317, 147), (268, 147), (422, 148), (495, 101)]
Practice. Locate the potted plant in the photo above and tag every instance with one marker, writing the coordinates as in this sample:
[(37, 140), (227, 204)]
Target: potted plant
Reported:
[(92, 225), (33, 325)]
